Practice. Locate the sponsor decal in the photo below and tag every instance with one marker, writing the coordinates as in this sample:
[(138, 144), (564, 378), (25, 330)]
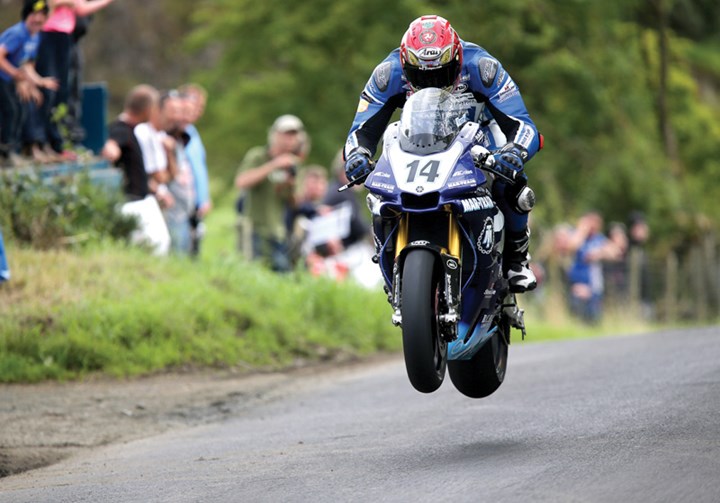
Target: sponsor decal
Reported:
[(488, 70), (462, 172), (487, 237), (420, 189), (427, 37), (420, 242), (452, 265), (526, 137), (381, 76), (508, 91), (429, 53), (380, 185), (362, 106), (477, 203), (382, 174), (428, 24), (501, 76), (461, 183), (489, 292)]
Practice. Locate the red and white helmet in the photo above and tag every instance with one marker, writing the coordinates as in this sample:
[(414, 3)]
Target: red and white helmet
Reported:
[(431, 53)]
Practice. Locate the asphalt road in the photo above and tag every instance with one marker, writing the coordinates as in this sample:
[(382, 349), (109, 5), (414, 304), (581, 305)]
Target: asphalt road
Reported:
[(616, 419)]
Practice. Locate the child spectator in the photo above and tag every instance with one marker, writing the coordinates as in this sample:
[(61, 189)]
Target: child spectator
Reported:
[(18, 81)]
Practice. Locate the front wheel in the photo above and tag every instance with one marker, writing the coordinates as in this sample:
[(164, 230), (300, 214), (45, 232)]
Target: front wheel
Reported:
[(483, 374), (424, 348)]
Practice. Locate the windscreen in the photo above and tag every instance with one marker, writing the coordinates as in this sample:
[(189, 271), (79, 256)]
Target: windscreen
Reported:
[(430, 121)]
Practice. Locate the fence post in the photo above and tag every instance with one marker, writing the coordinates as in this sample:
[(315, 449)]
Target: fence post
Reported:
[(671, 276)]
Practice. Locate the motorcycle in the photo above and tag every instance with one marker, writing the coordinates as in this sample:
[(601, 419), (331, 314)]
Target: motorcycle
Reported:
[(430, 188)]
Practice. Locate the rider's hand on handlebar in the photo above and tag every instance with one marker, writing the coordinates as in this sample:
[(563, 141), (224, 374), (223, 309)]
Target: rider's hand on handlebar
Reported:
[(510, 161), (358, 164)]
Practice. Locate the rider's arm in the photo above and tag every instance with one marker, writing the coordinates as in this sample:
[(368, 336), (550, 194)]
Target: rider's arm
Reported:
[(382, 95), (491, 83)]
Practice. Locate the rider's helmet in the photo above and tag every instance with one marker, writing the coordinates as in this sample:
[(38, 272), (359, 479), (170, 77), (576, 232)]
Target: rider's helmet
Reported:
[(431, 54)]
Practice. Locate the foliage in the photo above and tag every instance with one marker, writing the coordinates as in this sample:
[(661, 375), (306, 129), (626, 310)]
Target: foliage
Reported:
[(70, 209)]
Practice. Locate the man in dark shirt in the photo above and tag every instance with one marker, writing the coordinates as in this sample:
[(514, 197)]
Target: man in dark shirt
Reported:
[(122, 147)]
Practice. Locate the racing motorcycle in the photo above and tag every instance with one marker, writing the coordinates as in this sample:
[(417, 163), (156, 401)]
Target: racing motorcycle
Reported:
[(430, 192)]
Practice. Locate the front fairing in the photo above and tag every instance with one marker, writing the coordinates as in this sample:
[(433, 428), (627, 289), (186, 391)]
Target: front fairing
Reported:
[(434, 179)]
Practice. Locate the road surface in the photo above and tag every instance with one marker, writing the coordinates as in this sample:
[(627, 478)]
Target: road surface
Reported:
[(627, 418)]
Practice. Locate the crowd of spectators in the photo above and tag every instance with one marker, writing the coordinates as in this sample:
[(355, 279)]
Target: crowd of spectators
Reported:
[(155, 143), (40, 67), (598, 265)]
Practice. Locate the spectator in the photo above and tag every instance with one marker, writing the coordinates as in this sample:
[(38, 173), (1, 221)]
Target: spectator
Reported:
[(348, 252), (359, 223), (180, 184), (196, 99), (615, 270), (585, 276), (267, 174), (156, 148), (4, 268), (76, 133), (54, 61), (123, 150), (122, 147), (639, 269), (18, 80), (306, 206)]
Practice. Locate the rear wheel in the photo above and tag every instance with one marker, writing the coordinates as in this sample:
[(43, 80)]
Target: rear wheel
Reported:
[(483, 373), (424, 349)]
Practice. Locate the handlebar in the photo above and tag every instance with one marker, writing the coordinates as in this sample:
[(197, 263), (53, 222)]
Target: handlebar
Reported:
[(485, 159), (357, 181)]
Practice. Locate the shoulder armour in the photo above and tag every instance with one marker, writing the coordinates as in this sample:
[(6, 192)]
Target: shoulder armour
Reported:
[(488, 70), (381, 75)]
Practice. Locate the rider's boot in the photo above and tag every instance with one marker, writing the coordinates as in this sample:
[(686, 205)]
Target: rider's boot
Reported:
[(516, 258)]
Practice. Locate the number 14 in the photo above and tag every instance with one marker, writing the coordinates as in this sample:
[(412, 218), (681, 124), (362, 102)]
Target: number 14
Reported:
[(429, 171)]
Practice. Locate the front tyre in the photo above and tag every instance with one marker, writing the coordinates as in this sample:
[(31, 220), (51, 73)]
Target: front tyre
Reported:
[(481, 375), (424, 348)]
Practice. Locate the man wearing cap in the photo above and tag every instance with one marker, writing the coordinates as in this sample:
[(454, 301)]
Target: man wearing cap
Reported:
[(18, 48), (267, 177)]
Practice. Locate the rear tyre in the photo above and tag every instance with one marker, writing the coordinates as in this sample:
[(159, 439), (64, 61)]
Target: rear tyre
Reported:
[(424, 349), (483, 373)]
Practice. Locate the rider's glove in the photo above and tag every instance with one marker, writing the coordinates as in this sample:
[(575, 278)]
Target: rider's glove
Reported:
[(510, 161), (358, 164)]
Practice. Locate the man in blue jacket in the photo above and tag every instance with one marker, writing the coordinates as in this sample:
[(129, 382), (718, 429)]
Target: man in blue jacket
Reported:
[(432, 55)]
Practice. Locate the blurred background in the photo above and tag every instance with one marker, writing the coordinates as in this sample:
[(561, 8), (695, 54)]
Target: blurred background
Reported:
[(626, 93)]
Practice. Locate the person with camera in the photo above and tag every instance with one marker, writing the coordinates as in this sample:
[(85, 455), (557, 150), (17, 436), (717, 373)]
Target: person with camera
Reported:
[(267, 178)]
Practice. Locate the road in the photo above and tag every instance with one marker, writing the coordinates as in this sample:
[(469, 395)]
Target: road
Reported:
[(627, 418)]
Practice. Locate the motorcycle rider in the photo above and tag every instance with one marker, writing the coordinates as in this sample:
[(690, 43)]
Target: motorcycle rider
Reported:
[(432, 55)]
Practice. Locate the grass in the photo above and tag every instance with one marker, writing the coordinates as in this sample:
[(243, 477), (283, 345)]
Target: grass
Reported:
[(122, 312)]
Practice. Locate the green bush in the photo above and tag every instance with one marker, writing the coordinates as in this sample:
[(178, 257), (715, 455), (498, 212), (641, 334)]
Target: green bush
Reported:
[(69, 210)]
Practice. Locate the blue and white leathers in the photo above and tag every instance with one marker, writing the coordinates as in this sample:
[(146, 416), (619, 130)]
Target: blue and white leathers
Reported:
[(493, 98)]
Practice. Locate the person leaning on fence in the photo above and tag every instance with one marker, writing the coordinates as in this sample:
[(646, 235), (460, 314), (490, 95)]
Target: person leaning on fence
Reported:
[(18, 81), (267, 176)]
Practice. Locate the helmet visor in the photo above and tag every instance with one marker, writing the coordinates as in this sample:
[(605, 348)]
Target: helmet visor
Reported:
[(441, 77)]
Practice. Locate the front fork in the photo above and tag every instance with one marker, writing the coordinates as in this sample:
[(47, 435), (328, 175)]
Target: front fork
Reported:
[(450, 256)]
